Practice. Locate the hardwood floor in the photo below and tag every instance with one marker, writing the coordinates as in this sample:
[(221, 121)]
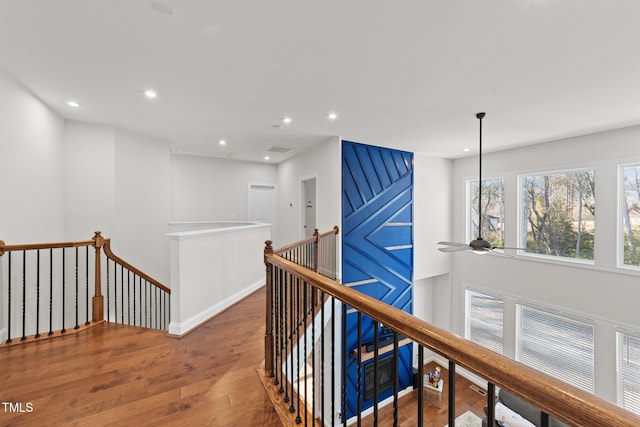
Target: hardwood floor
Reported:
[(114, 375)]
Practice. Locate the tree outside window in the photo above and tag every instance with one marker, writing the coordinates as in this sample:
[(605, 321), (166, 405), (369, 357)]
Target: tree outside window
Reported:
[(558, 214), (492, 207), (631, 214)]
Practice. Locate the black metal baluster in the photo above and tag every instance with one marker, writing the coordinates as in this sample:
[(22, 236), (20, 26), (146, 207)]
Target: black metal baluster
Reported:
[(322, 335), (63, 290), (298, 320), (38, 294), (9, 304), (306, 312), (491, 404), (86, 270), (292, 408), (279, 378), (129, 297), (146, 303), (395, 378), (544, 419), (359, 368), (286, 338), (122, 295), (277, 274), (115, 292), (108, 292), (50, 291), (77, 326), (134, 299), (452, 394), (376, 350), (24, 296), (419, 384), (333, 359), (313, 343), (156, 308), (343, 411)]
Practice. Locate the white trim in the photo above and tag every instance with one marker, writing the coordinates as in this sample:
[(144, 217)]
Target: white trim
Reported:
[(182, 328)]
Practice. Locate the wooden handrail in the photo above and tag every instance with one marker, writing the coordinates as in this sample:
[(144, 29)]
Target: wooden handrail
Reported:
[(33, 246), (561, 400), (138, 272), (312, 239)]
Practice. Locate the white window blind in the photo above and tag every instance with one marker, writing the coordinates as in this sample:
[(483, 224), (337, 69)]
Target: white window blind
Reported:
[(557, 344), (484, 320), (629, 371)]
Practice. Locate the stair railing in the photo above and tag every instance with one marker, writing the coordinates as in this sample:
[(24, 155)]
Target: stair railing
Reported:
[(293, 293), (56, 288)]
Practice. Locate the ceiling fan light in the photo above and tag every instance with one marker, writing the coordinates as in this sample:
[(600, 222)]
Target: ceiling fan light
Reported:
[(480, 251)]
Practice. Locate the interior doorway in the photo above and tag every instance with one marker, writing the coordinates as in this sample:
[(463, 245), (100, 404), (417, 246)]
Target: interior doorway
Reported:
[(262, 204), (308, 216)]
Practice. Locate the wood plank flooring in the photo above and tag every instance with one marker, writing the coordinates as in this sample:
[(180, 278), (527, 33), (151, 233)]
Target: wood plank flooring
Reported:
[(114, 375)]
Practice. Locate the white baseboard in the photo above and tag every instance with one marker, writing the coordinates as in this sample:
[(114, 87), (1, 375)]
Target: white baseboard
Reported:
[(3, 335), (181, 328)]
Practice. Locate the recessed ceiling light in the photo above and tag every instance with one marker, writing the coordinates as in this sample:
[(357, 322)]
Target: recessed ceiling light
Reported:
[(73, 104), (332, 116), (150, 93), (286, 120), (222, 142), (266, 157), (466, 149)]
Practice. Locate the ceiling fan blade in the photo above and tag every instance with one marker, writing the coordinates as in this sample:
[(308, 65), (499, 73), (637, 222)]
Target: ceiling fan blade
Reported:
[(454, 248), (466, 245)]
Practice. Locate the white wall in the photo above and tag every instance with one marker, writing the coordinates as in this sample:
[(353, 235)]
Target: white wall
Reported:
[(212, 189), (89, 181), (321, 161), (31, 166), (601, 291), (432, 215), (118, 182)]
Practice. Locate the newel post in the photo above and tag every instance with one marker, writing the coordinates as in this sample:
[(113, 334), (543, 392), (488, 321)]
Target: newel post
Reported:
[(268, 333), (98, 299), (316, 239)]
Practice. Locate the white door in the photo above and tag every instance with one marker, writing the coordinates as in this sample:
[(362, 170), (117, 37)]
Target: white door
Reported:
[(308, 215)]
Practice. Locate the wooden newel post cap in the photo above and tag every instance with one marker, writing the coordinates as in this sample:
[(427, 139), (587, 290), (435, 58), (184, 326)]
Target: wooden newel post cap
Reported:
[(98, 239), (267, 246), (1, 247)]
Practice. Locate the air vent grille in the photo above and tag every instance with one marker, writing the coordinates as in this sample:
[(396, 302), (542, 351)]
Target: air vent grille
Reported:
[(276, 149)]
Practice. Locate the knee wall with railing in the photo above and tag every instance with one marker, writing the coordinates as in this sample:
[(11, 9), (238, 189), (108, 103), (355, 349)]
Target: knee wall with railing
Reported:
[(305, 353)]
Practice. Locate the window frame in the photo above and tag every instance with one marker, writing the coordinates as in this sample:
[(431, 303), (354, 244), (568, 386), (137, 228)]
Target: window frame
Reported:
[(620, 217), (522, 225), (471, 232)]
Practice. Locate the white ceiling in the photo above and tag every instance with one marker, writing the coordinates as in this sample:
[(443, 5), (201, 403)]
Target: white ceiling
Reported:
[(407, 74)]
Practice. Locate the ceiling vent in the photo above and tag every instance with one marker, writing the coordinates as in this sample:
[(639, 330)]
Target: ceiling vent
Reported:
[(275, 149)]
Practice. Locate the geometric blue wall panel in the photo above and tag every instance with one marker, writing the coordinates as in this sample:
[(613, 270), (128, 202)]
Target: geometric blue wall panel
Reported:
[(377, 247)]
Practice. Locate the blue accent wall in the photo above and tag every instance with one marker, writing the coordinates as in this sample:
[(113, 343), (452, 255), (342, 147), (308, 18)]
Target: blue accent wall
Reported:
[(377, 247)]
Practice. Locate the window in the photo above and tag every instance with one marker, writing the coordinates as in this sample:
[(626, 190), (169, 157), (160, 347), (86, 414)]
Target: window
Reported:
[(631, 215), (557, 344), (629, 371), (558, 211), (492, 211), (484, 320)]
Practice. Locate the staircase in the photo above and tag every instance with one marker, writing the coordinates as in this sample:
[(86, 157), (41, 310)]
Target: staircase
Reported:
[(61, 288)]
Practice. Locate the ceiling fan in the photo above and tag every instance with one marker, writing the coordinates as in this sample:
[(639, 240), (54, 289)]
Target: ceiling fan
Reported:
[(479, 245)]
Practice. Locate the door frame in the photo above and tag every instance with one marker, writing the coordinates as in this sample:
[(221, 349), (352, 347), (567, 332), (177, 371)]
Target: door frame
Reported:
[(303, 203)]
